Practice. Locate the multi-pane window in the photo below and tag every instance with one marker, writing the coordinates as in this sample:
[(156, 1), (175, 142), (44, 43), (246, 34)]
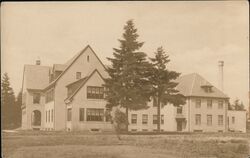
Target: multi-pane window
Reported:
[(209, 103), (162, 119), (36, 98), (133, 118), (78, 75), (95, 114), (209, 120), (69, 114), (144, 119), (155, 119), (49, 96), (220, 120), (220, 104), (197, 119), (95, 92), (81, 114), (233, 120), (198, 103)]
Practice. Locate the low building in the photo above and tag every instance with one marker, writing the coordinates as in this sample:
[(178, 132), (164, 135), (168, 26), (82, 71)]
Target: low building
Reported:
[(237, 121)]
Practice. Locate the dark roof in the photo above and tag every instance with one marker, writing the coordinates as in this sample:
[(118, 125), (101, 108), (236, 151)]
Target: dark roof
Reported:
[(191, 85)]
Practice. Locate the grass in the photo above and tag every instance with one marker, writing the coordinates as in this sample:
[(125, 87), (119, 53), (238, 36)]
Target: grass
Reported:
[(38, 144)]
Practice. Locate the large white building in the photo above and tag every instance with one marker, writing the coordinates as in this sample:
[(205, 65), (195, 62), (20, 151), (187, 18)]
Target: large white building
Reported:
[(70, 96)]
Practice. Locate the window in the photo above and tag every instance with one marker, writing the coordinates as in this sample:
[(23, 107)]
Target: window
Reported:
[(220, 120), (198, 103), (162, 119), (49, 116), (36, 98), (133, 118), (88, 58), (95, 92), (46, 116), (78, 75), (52, 113), (209, 104), (233, 120), (220, 104), (144, 119), (95, 114), (49, 96), (155, 119), (197, 119), (179, 110), (209, 120), (69, 114), (81, 114)]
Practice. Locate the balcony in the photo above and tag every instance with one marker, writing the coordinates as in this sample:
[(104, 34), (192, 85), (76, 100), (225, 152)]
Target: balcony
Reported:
[(180, 116)]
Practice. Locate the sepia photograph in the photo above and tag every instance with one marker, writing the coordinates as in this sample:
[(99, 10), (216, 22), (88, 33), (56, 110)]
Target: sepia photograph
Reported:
[(125, 79)]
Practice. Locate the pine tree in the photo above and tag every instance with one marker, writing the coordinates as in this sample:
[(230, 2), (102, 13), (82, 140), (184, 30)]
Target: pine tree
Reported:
[(163, 84), (128, 85), (7, 103)]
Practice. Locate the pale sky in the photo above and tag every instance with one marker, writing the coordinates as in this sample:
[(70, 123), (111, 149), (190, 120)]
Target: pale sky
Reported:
[(196, 35)]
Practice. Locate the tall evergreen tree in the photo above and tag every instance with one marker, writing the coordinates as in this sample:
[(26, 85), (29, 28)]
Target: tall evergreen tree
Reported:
[(163, 85), (7, 103), (128, 85)]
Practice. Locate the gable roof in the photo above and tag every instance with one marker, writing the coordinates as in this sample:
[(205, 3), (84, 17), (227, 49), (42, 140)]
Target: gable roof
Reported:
[(191, 85), (70, 62), (82, 83), (59, 67), (36, 74)]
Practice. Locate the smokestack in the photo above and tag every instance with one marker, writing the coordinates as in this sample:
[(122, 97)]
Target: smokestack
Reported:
[(221, 80), (38, 61)]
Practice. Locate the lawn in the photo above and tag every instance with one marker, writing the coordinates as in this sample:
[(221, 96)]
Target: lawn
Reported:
[(39, 144)]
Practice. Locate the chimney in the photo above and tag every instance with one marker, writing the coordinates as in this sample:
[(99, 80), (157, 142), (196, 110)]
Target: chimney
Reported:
[(38, 61), (221, 80)]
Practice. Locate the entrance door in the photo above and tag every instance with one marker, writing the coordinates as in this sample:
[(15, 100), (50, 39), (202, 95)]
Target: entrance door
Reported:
[(179, 125)]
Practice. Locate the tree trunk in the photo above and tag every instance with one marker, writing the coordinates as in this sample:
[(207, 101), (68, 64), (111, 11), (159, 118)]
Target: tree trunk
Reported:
[(158, 115), (127, 119)]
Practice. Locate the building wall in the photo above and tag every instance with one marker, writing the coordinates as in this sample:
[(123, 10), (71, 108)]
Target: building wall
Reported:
[(80, 65), (30, 107), (49, 124), (240, 120), (204, 111), (80, 101)]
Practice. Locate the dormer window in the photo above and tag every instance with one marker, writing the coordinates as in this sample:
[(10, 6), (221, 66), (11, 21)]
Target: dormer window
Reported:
[(78, 75), (207, 87)]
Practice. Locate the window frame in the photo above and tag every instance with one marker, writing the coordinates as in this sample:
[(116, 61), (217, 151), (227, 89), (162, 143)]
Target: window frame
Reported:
[(220, 120), (69, 114), (78, 75), (144, 119), (209, 106), (220, 104), (209, 121), (95, 92), (198, 106), (197, 119), (95, 114), (133, 118)]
